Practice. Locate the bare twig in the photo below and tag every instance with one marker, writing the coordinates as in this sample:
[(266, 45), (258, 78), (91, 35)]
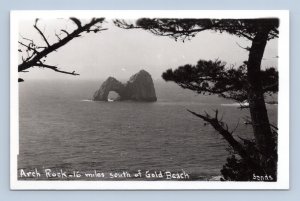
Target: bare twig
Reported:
[(76, 21), (55, 68), (245, 48), (41, 33), (237, 125), (65, 32)]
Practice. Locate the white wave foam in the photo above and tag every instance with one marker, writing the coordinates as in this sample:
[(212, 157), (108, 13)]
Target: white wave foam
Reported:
[(235, 104)]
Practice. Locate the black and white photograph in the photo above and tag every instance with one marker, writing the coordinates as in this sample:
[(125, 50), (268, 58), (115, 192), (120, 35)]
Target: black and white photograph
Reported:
[(149, 100)]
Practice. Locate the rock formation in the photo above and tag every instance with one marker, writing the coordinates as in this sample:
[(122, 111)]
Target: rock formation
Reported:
[(110, 84), (140, 87)]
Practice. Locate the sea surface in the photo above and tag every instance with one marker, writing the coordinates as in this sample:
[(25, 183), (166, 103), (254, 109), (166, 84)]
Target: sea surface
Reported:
[(60, 128)]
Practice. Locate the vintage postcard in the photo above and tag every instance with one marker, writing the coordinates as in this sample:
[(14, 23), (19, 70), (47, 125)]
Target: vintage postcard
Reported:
[(131, 100)]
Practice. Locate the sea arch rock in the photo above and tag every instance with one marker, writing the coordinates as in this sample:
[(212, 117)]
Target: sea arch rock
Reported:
[(110, 84), (140, 87)]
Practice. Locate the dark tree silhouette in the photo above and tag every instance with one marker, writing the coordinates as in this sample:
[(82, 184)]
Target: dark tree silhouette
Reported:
[(34, 55), (245, 83)]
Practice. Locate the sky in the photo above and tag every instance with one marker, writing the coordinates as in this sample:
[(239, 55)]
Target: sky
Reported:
[(121, 53)]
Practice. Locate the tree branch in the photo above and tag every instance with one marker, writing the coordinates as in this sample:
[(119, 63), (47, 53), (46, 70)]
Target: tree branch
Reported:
[(270, 87), (217, 125), (76, 21), (225, 133), (245, 48), (34, 61), (41, 33), (55, 68)]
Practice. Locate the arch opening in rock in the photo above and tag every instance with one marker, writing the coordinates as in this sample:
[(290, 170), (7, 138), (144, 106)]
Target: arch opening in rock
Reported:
[(113, 96)]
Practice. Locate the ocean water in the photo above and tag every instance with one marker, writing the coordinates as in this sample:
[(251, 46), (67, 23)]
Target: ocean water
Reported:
[(61, 128)]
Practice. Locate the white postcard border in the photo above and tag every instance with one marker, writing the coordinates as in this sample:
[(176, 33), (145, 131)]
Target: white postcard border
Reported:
[(283, 99)]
